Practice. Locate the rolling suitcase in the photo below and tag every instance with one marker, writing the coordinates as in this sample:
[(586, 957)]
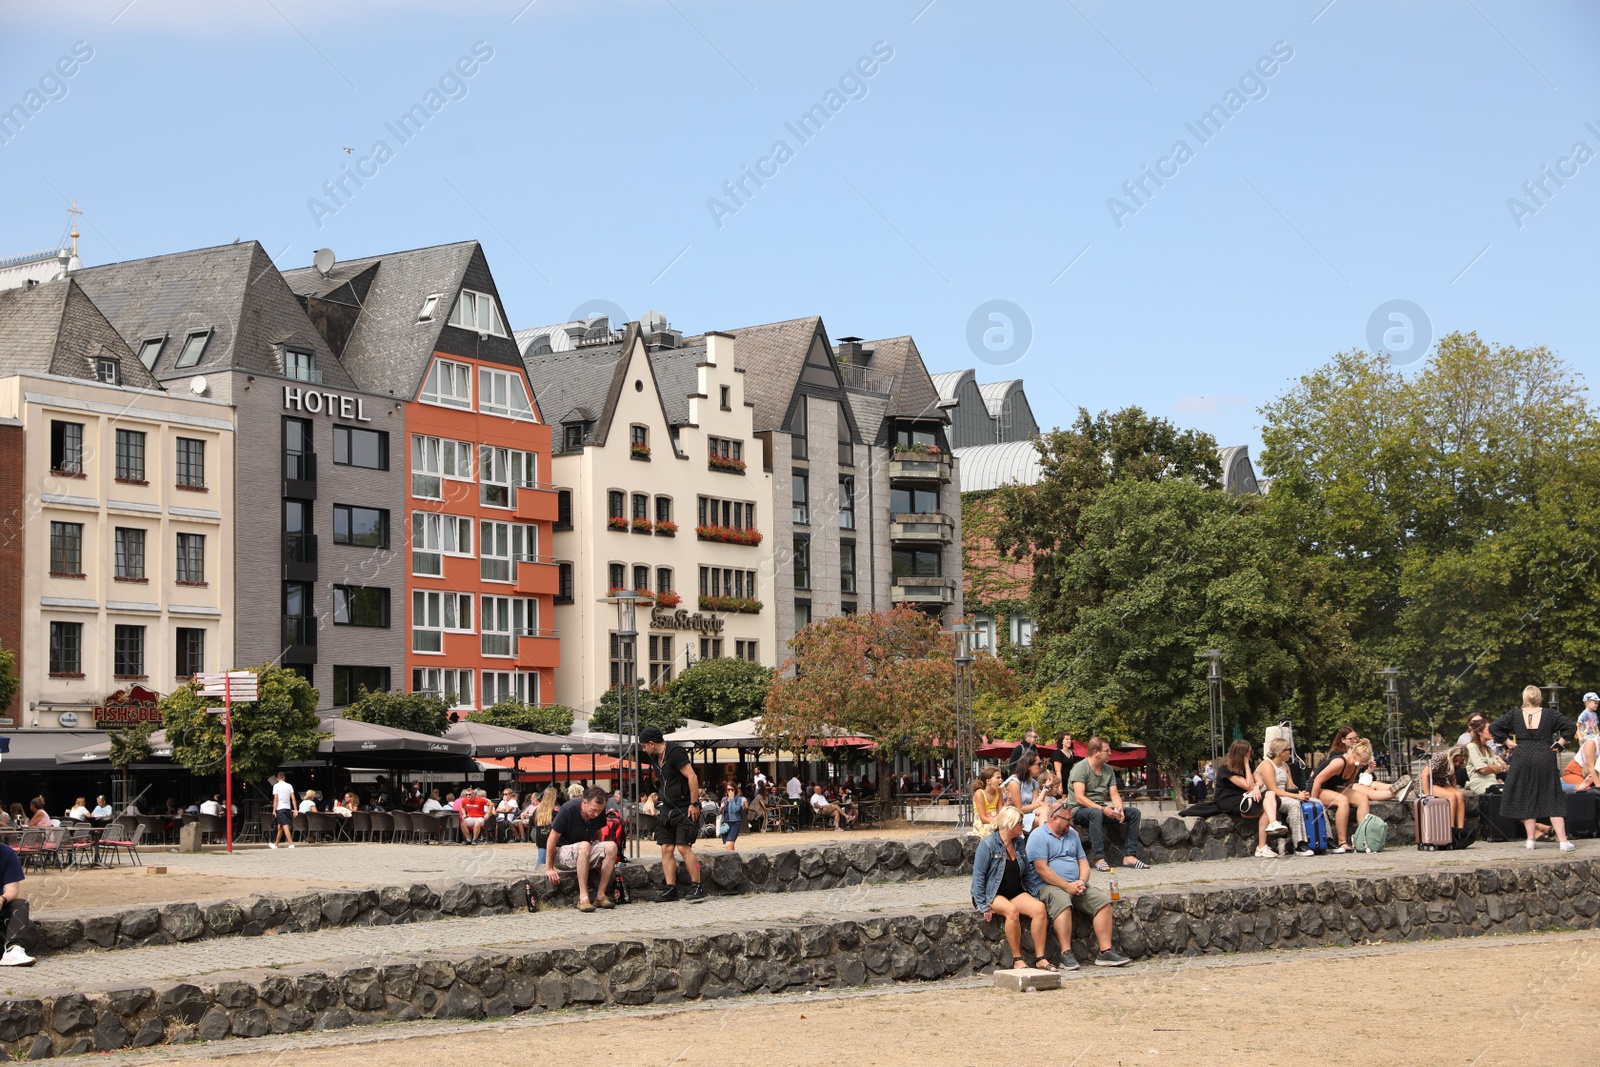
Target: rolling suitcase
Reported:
[(1316, 820), (1432, 816)]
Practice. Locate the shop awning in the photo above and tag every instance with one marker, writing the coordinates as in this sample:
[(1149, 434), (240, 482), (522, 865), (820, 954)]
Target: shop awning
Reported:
[(745, 734), (498, 741), (99, 751), (366, 744)]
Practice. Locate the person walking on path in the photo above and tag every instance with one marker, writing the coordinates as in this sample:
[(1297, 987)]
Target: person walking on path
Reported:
[(1533, 775), (678, 818), (733, 812), (282, 811)]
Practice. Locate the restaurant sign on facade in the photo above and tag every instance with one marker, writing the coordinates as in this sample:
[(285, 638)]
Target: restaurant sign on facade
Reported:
[(667, 619), (134, 704)]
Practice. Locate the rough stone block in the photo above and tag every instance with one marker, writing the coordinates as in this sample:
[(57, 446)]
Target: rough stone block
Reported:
[(1026, 979)]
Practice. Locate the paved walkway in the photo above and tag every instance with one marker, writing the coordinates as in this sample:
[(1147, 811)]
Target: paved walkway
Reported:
[(152, 965)]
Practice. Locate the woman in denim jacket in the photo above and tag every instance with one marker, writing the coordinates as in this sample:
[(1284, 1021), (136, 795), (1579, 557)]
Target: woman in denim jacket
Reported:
[(997, 888)]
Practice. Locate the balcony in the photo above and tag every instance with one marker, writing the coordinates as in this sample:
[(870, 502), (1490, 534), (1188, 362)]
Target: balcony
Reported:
[(300, 475), (911, 589), (919, 467), (540, 648), (538, 503), (538, 577), (930, 528), (299, 639), (299, 557)]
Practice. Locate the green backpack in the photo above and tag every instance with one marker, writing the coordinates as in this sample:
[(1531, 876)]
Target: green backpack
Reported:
[(1371, 834)]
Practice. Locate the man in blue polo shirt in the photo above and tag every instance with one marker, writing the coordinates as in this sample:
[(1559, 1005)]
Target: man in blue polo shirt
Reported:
[(13, 910), (1057, 873)]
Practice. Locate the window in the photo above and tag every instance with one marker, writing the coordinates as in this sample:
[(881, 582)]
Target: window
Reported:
[(519, 686), (108, 370), (433, 614), (727, 401), (663, 579), (802, 615), (563, 583), (430, 307), (907, 437), (639, 437), (127, 657), (504, 619), (191, 463), (448, 384), (191, 560), (66, 648), (66, 447), (913, 501), (361, 605), (448, 682), (847, 607), (434, 536), (66, 549), (616, 504), (191, 653), (616, 660), (847, 502), (297, 540), (433, 461), (725, 448), (802, 562), (663, 509), (641, 508), (130, 554), (847, 452), (917, 563), (660, 659), (150, 351), (502, 393), (983, 632), (641, 578), (501, 546), (797, 430), (130, 456), (574, 436), (711, 648), (363, 527), (738, 514), (194, 347), (745, 650), (355, 447), (847, 566), (348, 682), (476, 311), (726, 581), (300, 365), (563, 509), (617, 576), (299, 620), (800, 485), (504, 471), (299, 461), (1022, 631)]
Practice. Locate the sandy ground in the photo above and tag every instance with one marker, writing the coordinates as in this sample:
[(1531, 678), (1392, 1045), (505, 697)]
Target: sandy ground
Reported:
[(1409, 1004), (131, 886)]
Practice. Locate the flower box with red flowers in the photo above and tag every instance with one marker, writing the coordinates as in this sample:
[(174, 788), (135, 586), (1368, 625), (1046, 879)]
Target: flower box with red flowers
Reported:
[(738, 605), (917, 450), (666, 528), (617, 523), (729, 535), (641, 526), (638, 451), (669, 599), (642, 594), (726, 463)]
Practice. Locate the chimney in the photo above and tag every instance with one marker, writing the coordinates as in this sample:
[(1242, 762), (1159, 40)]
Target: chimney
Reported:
[(851, 352)]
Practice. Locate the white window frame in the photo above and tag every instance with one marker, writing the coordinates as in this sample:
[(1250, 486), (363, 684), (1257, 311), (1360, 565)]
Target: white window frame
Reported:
[(435, 534), (499, 635), (520, 685), (497, 391), (448, 385), (494, 477), (427, 618), (458, 613), (477, 312), (445, 680), (494, 548), (427, 468)]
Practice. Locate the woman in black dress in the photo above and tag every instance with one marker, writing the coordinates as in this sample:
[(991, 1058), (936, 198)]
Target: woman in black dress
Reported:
[(1533, 777)]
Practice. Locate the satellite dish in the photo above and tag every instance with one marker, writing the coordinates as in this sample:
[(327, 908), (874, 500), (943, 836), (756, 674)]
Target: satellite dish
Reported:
[(197, 385), (322, 259)]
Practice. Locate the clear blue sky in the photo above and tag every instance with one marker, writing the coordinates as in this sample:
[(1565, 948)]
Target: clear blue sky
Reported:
[(976, 164)]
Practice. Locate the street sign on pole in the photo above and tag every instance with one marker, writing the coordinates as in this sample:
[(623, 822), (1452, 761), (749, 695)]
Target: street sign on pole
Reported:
[(243, 686)]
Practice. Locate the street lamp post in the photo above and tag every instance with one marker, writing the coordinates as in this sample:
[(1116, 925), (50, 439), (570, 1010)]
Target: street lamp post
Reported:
[(1393, 740), (1553, 696), (964, 738), (627, 634), (1214, 684)]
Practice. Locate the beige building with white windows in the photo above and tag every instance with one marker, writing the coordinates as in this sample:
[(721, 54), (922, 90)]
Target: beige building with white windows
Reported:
[(662, 491), (126, 513)]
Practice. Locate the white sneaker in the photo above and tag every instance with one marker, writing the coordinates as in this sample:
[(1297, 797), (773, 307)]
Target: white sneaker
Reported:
[(1265, 853), (272, 844), (15, 957), (1342, 849), (291, 844), (1568, 846), (1528, 843), (1276, 829)]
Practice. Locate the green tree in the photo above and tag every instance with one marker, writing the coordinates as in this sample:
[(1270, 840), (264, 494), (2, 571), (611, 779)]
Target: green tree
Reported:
[(655, 709), (130, 745), (422, 713), (515, 715), (280, 727), (721, 690), (8, 677)]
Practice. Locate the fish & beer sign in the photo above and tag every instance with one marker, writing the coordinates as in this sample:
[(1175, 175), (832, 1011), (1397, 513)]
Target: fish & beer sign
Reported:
[(134, 704)]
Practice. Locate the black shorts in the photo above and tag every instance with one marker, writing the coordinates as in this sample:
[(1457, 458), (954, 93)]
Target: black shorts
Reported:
[(674, 827), (284, 816)]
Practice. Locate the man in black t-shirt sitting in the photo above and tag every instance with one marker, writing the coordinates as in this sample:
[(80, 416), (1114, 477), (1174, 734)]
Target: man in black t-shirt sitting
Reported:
[(574, 846), (678, 814)]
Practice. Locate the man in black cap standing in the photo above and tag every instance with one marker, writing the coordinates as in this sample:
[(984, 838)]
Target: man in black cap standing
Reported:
[(678, 815)]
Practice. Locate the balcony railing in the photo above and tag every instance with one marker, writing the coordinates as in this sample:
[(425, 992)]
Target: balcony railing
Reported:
[(917, 466), (923, 590), (299, 630), (926, 527), (866, 381)]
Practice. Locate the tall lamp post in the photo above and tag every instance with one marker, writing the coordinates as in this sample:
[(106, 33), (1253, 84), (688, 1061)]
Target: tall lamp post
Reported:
[(1214, 684), (627, 635), (964, 739), (1552, 695), (1393, 740)]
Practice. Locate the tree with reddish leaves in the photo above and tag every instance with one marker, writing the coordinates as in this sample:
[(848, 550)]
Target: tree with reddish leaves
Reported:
[(888, 675)]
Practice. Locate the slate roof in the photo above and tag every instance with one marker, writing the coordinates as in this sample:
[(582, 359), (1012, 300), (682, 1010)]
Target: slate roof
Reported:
[(772, 357), (389, 350), (54, 328), (575, 385), (914, 394), (677, 372), (233, 290)]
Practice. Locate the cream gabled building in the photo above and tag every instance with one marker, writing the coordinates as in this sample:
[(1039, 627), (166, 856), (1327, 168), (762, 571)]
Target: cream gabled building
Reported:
[(663, 491), (125, 517)]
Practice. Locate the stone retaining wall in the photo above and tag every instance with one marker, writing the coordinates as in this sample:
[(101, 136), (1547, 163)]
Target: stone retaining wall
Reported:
[(842, 951), (1165, 840)]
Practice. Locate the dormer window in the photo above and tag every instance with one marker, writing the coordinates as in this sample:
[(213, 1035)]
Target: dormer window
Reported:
[(300, 365), (449, 384), (574, 436), (194, 346), (150, 351), (477, 311), (108, 370), (429, 306)]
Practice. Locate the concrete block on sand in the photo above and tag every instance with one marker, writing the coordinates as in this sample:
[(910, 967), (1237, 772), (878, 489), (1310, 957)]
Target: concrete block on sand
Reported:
[(1022, 979)]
